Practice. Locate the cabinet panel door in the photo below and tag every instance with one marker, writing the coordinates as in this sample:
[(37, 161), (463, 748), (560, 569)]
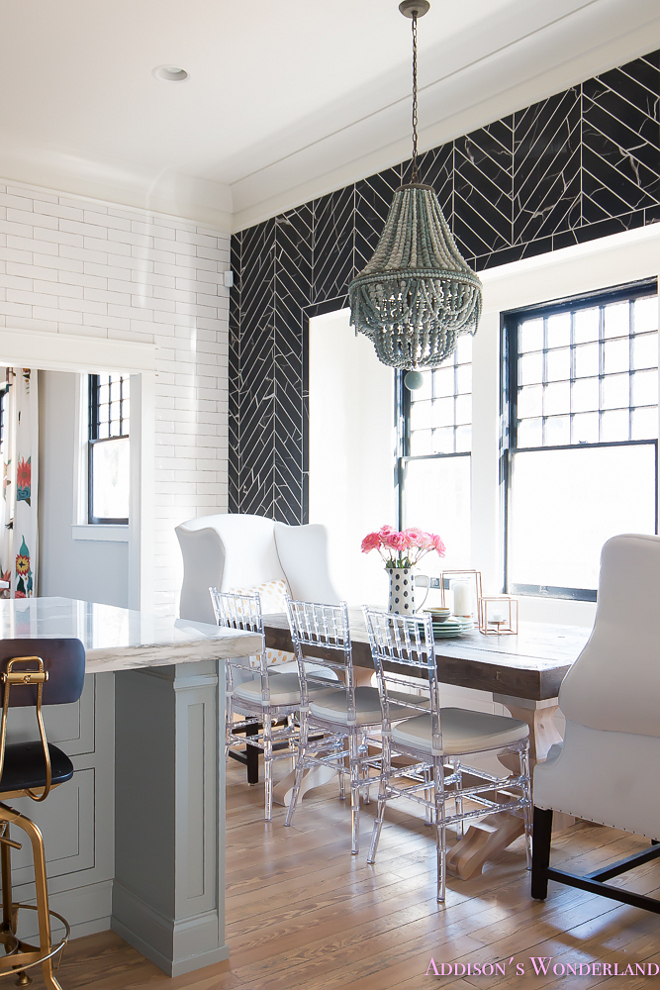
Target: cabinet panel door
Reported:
[(66, 820), (77, 819), (71, 727)]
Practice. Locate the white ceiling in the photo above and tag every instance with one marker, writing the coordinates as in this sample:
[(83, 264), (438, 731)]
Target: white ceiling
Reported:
[(286, 100)]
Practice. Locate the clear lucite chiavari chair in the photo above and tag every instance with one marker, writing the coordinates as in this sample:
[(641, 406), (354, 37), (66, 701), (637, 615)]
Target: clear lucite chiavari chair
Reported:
[(265, 702), (334, 721), (332, 733), (438, 740)]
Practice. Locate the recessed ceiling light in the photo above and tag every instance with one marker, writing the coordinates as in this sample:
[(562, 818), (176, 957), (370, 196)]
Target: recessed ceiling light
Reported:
[(170, 73)]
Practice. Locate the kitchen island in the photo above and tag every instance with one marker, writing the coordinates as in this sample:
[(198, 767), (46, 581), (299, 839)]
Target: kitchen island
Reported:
[(136, 841)]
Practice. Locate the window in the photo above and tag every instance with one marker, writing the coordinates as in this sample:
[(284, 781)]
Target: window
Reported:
[(581, 381), (108, 449), (434, 455)]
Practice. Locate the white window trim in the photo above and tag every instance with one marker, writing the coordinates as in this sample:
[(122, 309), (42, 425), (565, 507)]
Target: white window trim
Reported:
[(101, 532)]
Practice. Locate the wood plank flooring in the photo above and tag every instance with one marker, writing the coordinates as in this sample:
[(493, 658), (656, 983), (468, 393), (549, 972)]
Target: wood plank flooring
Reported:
[(303, 913)]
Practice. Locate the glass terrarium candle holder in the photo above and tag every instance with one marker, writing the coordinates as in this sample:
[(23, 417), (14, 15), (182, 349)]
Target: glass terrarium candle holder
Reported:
[(466, 588), (498, 616)]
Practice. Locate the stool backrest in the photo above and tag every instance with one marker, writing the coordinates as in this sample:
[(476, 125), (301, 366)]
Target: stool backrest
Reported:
[(37, 672), (63, 662)]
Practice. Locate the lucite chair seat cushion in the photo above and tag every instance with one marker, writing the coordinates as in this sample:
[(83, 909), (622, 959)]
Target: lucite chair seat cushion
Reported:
[(462, 732), (332, 706), (284, 690), (25, 767)]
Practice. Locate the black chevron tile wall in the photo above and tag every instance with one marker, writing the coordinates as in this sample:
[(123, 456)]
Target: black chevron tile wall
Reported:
[(372, 202), (252, 410), (436, 168), (234, 363), (582, 164), (546, 180), (620, 168), (483, 189), (334, 226)]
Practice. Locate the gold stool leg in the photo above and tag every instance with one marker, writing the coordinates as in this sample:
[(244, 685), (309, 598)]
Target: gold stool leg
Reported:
[(9, 912), (7, 896), (43, 915)]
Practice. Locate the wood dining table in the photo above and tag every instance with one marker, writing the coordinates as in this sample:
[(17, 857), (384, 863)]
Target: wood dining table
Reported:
[(523, 672)]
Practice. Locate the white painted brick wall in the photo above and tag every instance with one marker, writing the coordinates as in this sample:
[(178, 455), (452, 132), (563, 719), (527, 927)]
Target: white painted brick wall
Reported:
[(75, 266)]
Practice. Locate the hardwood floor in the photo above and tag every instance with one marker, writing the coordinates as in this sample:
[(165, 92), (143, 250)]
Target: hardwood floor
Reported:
[(303, 913)]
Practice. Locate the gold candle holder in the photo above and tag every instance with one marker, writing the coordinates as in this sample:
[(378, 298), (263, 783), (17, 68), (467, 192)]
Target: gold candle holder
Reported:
[(471, 577), (498, 616)]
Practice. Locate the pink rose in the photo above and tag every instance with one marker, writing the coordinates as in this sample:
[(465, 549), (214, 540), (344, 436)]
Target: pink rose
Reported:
[(425, 541), (414, 537), (370, 542), (438, 545), (396, 541), (386, 531)]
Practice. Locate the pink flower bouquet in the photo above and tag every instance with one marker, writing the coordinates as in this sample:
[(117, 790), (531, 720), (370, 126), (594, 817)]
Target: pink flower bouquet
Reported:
[(404, 549)]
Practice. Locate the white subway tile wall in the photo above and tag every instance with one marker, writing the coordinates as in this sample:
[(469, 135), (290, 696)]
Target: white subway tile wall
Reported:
[(75, 266)]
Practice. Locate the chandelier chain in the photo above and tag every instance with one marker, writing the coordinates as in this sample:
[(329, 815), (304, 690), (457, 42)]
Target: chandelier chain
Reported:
[(414, 176), (417, 294)]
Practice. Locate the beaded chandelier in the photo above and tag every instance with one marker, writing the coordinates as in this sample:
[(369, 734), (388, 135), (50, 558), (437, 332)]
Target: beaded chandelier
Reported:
[(417, 295)]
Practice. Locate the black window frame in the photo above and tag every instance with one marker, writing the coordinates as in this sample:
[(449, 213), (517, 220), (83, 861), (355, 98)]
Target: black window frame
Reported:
[(510, 321), (93, 438)]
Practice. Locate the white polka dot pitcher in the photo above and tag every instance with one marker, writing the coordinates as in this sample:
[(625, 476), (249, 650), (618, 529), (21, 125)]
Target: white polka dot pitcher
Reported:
[(402, 590)]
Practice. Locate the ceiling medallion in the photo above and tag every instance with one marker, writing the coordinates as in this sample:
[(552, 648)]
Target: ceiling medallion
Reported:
[(417, 294)]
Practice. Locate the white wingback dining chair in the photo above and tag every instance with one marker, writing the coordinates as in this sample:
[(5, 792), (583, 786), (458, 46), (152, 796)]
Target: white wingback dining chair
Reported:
[(605, 769), (232, 551), (245, 554)]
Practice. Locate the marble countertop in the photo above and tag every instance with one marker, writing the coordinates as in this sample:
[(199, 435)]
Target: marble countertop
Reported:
[(122, 639)]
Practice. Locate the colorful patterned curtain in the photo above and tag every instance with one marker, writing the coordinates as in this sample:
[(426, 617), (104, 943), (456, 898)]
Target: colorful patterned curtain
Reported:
[(20, 451)]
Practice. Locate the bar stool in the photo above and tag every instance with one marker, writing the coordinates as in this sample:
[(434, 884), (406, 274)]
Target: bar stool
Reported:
[(33, 673)]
